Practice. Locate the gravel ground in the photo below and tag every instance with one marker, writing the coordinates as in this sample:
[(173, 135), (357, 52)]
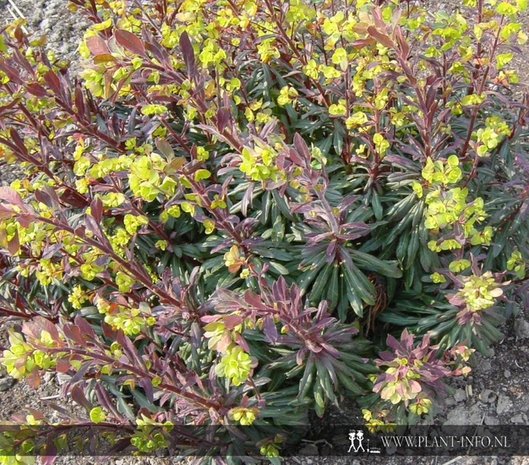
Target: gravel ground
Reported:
[(63, 30), (496, 392)]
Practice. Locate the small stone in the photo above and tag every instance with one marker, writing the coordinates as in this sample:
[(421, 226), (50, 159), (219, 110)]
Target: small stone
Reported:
[(455, 417), (491, 421), (391, 449), (45, 24), (521, 328), (460, 395), (504, 404), (507, 373), (450, 402), (485, 366), (462, 415), (475, 414), (309, 450), (519, 419), (63, 378), (487, 396), (6, 383), (525, 403)]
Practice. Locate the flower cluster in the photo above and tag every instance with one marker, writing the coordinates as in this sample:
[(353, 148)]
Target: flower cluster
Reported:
[(235, 364), (478, 293), (414, 373), (447, 209)]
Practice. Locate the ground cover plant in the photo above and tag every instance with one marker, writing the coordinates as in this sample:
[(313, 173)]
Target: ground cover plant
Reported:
[(242, 212)]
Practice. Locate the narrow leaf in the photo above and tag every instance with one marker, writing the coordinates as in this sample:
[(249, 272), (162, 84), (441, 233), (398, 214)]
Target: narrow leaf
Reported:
[(187, 52)]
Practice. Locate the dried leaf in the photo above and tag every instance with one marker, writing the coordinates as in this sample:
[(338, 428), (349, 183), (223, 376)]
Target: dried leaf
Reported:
[(10, 196), (97, 46), (380, 37)]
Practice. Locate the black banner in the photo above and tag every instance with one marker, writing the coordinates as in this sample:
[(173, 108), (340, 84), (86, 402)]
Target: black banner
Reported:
[(338, 440)]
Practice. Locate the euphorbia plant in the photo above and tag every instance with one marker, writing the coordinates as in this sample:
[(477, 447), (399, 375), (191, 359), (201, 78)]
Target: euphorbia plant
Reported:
[(237, 204), (414, 373)]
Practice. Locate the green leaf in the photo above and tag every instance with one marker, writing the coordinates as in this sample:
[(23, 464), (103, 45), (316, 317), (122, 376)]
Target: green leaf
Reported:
[(359, 284), (202, 174), (306, 381), (320, 284), (125, 409), (333, 289), (377, 206), (372, 263), (97, 415), (279, 268), (142, 401), (153, 109)]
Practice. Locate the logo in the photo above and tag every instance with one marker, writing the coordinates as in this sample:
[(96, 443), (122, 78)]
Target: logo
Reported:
[(359, 443)]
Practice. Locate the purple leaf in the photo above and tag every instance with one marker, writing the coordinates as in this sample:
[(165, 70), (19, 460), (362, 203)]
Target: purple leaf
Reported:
[(392, 342), (130, 350), (130, 42), (81, 372), (96, 209), (84, 326), (12, 73), (93, 226), (36, 89), (79, 101), (188, 53), (52, 451), (146, 384), (17, 140), (44, 198), (330, 253), (380, 37), (301, 147), (73, 198), (223, 118), (239, 339), (270, 330), (406, 339), (78, 396)]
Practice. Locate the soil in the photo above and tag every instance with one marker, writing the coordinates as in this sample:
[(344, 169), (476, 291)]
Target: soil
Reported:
[(496, 391)]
